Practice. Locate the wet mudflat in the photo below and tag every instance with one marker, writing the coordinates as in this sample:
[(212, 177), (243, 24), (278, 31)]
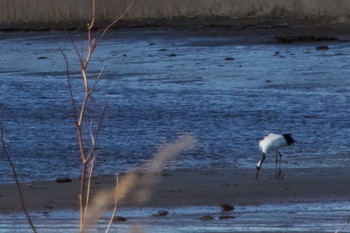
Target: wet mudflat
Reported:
[(228, 91)]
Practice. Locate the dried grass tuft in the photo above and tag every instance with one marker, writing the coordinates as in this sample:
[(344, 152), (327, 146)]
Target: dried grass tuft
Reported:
[(137, 187)]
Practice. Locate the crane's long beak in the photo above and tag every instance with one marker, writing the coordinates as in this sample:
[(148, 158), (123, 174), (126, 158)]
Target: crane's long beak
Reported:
[(257, 172), (259, 164)]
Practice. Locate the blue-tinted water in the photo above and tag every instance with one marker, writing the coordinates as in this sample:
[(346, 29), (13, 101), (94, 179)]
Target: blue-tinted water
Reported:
[(162, 84), (295, 217)]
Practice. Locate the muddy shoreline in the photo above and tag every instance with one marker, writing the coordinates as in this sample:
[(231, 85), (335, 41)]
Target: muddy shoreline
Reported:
[(253, 30), (195, 188), (212, 24)]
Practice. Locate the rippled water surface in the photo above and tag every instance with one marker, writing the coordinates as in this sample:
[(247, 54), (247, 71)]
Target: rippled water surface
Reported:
[(300, 217), (161, 84)]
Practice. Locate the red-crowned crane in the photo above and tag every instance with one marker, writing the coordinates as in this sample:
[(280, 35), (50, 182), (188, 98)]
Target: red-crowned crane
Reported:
[(272, 143)]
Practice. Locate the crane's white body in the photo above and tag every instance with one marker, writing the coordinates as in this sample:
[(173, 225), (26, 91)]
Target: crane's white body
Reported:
[(272, 142)]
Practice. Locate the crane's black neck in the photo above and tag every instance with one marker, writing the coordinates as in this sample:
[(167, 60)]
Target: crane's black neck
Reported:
[(289, 139)]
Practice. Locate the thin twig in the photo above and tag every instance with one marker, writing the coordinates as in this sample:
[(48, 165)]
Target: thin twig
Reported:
[(97, 79), (91, 168), (16, 179), (94, 43), (91, 133), (113, 23), (101, 120), (90, 26), (77, 51), (98, 130), (115, 203), (70, 85), (345, 224), (91, 42)]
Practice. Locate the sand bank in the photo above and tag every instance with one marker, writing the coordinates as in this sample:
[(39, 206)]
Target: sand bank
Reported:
[(196, 187)]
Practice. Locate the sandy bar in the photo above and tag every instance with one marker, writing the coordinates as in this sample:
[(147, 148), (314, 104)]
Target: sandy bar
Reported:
[(196, 187)]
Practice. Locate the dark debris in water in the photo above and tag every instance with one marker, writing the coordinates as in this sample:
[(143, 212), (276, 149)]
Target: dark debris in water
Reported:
[(322, 47), (119, 219), (227, 207), (161, 213), (225, 217), (42, 58)]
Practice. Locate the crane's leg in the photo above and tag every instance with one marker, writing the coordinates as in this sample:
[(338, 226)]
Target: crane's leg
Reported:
[(276, 170), (279, 174)]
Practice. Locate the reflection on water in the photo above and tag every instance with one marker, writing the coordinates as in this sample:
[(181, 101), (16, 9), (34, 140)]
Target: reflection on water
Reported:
[(161, 84), (299, 217)]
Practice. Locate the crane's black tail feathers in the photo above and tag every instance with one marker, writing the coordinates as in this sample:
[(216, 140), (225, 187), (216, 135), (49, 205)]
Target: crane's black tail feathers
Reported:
[(289, 139)]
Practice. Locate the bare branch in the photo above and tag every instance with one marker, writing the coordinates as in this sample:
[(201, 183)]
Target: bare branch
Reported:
[(88, 157), (82, 110), (90, 40), (93, 43), (92, 46), (70, 85), (91, 24), (98, 131), (16, 179)]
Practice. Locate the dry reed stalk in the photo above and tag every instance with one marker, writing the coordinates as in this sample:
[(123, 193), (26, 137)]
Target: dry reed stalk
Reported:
[(115, 203), (137, 187), (79, 113), (16, 179)]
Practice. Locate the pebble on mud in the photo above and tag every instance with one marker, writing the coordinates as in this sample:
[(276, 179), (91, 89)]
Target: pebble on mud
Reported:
[(63, 180), (224, 217), (207, 218)]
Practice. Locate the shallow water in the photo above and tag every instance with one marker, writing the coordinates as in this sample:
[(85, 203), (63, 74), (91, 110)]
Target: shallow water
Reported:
[(161, 84), (298, 217)]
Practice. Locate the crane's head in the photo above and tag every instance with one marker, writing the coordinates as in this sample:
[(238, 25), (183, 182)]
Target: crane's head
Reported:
[(259, 165), (288, 137)]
